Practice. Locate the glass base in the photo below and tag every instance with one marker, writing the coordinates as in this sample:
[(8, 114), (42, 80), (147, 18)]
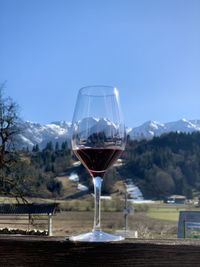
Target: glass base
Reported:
[(96, 236)]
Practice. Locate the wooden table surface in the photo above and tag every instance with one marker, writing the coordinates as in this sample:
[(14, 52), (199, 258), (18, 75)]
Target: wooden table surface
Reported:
[(55, 251)]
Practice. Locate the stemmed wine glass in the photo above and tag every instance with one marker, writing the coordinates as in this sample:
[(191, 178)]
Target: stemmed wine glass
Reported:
[(98, 139)]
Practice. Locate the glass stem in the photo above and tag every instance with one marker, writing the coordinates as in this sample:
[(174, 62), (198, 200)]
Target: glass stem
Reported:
[(97, 181)]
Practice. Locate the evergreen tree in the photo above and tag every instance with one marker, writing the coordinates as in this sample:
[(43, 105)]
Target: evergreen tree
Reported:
[(57, 148), (49, 146), (35, 148)]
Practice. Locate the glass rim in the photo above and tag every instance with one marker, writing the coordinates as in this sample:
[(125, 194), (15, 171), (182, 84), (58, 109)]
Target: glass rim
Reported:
[(99, 90)]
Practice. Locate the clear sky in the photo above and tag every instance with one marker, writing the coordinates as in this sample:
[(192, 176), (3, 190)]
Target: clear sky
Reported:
[(149, 49)]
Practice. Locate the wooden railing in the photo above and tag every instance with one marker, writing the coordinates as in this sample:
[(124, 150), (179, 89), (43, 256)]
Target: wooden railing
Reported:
[(56, 251)]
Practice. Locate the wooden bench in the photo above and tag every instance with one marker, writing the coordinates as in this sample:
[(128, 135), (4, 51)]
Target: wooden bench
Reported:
[(27, 215)]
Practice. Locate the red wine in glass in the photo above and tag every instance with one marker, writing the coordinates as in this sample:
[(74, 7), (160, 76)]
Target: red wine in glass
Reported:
[(98, 139), (98, 160)]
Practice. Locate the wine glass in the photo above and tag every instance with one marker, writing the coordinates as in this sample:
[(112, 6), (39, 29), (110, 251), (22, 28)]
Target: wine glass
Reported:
[(98, 139)]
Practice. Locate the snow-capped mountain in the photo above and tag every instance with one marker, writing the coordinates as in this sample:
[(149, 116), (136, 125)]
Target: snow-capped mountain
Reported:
[(35, 133), (147, 130), (153, 128), (59, 131), (96, 125)]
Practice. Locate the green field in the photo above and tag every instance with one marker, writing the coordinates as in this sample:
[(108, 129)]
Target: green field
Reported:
[(167, 213)]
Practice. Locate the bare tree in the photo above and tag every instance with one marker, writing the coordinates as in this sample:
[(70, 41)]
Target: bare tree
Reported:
[(9, 129)]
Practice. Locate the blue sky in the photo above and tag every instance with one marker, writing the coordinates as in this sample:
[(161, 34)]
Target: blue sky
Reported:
[(149, 49)]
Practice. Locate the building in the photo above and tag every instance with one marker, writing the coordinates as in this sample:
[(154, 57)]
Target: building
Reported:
[(176, 199)]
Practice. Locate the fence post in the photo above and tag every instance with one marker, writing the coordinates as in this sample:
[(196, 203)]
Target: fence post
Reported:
[(49, 224)]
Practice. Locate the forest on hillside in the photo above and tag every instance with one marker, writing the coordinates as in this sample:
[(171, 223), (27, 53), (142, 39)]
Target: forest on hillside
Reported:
[(165, 165)]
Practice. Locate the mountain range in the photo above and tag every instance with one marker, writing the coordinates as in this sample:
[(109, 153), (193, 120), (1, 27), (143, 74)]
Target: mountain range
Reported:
[(36, 133), (153, 128), (59, 131)]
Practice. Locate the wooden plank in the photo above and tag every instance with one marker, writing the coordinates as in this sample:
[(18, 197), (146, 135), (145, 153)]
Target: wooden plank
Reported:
[(45, 251), (11, 217)]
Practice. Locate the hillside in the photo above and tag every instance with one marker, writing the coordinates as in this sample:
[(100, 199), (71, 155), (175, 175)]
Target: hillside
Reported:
[(169, 164), (165, 165)]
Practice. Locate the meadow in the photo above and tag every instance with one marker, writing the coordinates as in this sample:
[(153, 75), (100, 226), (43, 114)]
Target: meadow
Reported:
[(150, 220), (73, 222), (157, 220)]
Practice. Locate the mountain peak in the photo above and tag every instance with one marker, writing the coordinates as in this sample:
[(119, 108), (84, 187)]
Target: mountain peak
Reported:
[(58, 131), (153, 128)]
